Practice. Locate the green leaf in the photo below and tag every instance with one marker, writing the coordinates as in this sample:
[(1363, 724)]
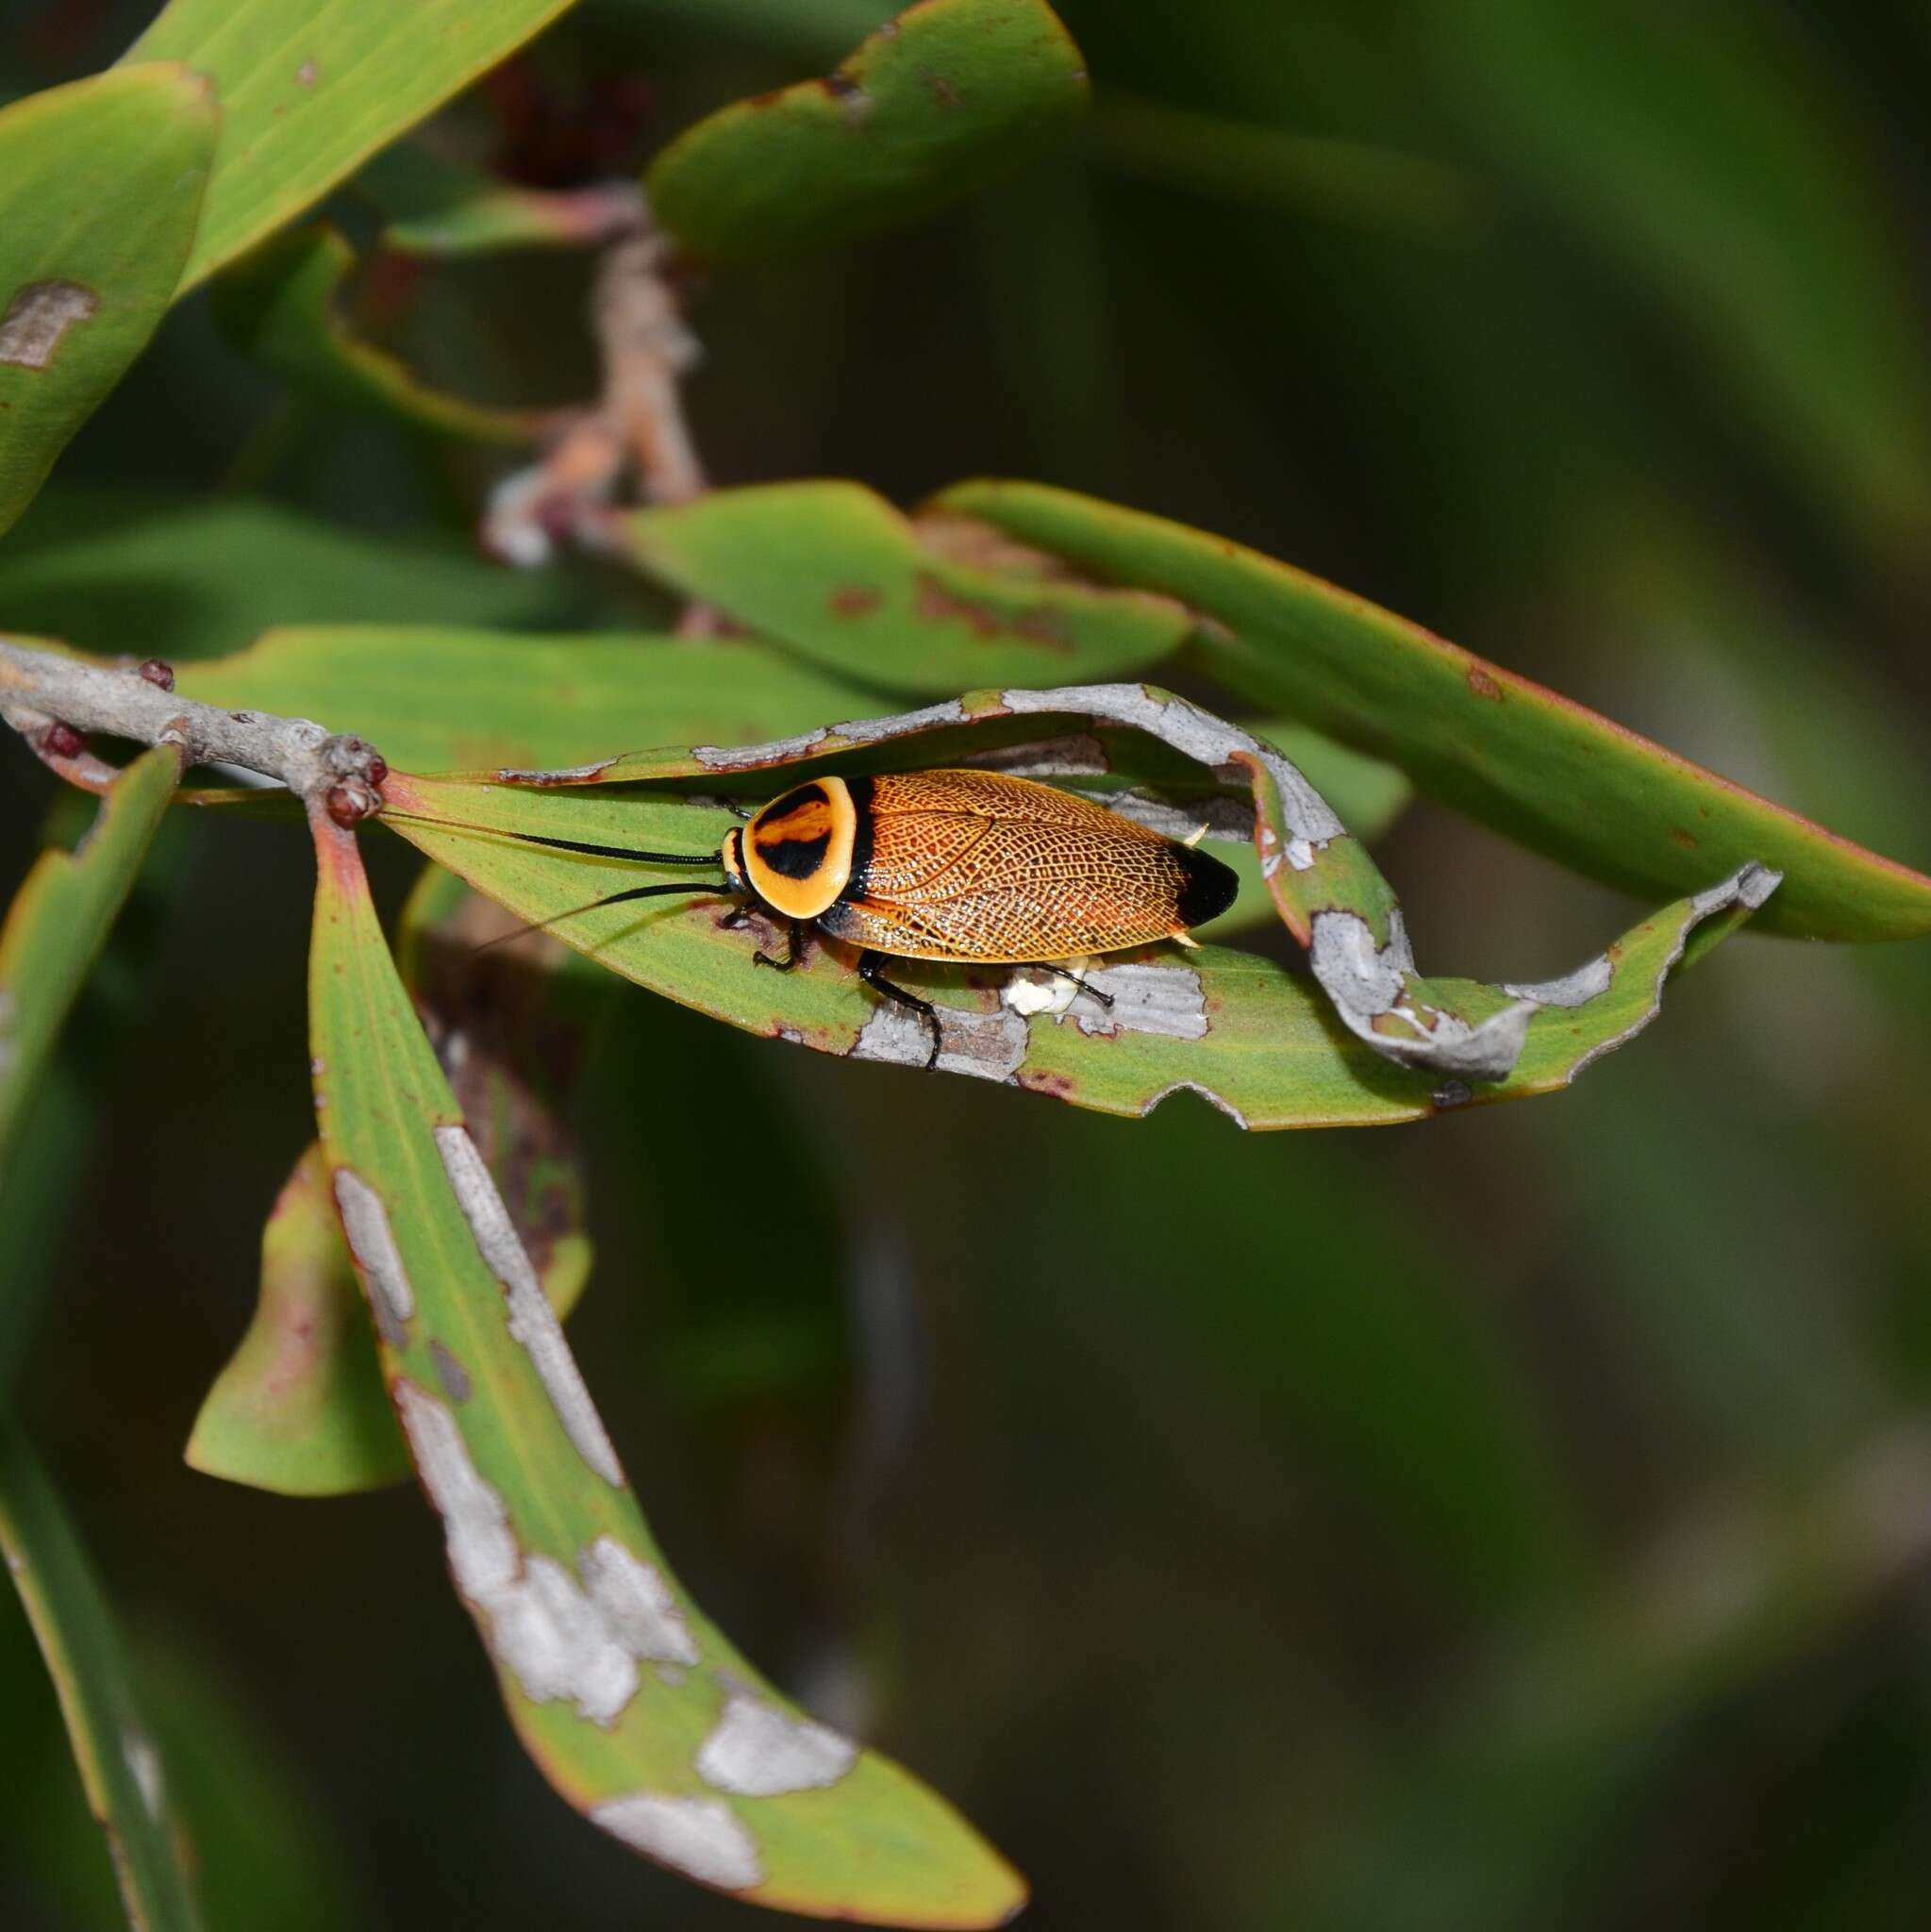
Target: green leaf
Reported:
[(58, 922), (300, 1408), (277, 306), (1536, 765), (120, 1768), (308, 91), (189, 577), (435, 207), (632, 1702), (1242, 1032), (445, 700), (927, 109), (100, 183), (838, 573)]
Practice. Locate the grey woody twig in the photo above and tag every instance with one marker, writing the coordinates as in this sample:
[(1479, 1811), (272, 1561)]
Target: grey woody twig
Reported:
[(54, 702), (635, 430)]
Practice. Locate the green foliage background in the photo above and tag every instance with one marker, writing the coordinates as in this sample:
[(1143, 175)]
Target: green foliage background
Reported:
[(1512, 1522)]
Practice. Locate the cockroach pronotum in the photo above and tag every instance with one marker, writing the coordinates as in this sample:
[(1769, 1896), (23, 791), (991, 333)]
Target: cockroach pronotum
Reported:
[(970, 868)]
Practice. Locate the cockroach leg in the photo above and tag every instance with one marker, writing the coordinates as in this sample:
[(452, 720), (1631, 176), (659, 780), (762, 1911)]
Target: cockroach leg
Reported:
[(794, 950), (1086, 986), (872, 973)]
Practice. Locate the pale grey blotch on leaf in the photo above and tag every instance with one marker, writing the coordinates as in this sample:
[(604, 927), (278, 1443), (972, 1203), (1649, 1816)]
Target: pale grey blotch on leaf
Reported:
[(37, 318), (637, 1602), (757, 1751), (372, 1241), (540, 1626), (1166, 1000), (701, 1838), (145, 1765), (990, 1046), (532, 1321)]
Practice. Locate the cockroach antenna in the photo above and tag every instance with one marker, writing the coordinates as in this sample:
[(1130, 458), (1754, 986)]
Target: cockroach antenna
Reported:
[(699, 886)]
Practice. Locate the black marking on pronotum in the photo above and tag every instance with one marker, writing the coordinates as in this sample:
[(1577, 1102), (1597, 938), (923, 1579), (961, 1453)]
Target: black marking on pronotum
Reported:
[(863, 836)]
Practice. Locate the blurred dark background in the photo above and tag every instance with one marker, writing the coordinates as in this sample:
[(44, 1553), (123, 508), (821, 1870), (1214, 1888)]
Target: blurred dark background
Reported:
[(1522, 1520)]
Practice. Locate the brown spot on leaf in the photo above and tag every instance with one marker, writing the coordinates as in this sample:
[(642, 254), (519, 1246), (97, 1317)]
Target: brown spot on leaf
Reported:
[(1036, 626), (1483, 685), (942, 91), (1686, 840), (38, 319), (854, 600), (1055, 1085)]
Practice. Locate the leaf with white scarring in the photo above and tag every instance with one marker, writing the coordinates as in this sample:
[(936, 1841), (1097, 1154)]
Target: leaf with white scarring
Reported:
[(1245, 1034), (635, 1706)]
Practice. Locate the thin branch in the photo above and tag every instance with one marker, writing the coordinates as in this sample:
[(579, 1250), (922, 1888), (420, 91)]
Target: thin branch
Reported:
[(54, 701), (636, 430)]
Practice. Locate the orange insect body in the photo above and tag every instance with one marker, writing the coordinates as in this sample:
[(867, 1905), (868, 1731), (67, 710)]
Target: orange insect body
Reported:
[(971, 867)]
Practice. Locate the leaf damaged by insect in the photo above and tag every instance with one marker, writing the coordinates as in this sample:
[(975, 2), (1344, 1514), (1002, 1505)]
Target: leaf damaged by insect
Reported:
[(1376, 1048), (622, 1691)]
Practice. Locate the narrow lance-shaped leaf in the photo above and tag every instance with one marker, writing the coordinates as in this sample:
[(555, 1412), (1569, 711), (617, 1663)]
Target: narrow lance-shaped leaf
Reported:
[(633, 1704), (278, 305), (58, 922), (1534, 764), (840, 575), (929, 108), (440, 699), (308, 92), (120, 1769), (300, 1408), (100, 183), (1243, 1032)]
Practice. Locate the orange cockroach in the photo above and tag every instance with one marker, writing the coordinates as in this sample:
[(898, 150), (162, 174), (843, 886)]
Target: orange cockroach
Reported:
[(973, 867)]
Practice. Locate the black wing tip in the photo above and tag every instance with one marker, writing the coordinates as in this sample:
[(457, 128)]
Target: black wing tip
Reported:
[(1208, 887)]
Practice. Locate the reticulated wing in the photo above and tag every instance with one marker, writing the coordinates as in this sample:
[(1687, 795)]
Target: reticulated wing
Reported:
[(1016, 889)]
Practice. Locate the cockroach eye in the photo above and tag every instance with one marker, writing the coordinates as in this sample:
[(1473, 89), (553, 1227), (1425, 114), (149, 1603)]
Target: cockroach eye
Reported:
[(378, 770)]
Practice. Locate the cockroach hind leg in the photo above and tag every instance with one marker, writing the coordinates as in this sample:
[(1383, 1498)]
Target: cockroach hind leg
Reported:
[(1079, 983), (873, 975)]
